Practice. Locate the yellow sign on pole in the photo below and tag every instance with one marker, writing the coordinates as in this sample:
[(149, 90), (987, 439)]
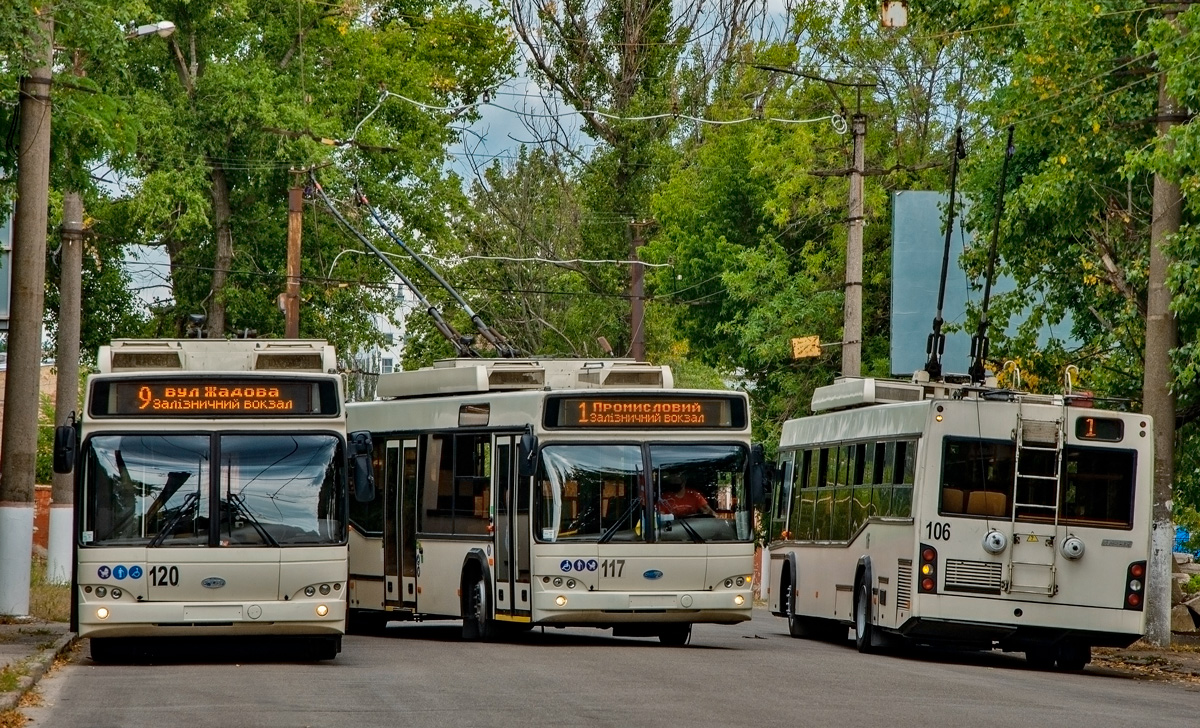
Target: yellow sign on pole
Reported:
[(806, 347)]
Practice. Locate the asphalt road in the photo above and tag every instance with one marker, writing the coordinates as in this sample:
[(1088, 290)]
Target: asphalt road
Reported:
[(746, 675)]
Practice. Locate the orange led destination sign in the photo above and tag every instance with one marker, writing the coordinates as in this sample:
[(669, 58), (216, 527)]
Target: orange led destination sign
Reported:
[(645, 412), (184, 397)]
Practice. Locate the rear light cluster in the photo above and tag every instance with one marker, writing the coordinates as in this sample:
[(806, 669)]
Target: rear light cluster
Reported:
[(927, 575), (1135, 586)]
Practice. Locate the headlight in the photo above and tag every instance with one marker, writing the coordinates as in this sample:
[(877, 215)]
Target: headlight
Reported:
[(560, 600), (324, 588), (309, 591), (102, 612), (739, 600)]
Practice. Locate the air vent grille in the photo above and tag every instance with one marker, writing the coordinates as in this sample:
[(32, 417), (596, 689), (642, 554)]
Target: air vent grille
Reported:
[(146, 360), (904, 584), (289, 361)]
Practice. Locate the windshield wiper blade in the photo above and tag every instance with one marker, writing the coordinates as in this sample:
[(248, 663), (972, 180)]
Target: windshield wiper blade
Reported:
[(235, 500), (696, 537), (185, 509), (608, 533)]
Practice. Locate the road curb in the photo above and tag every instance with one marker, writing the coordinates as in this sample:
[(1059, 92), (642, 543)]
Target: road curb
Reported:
[(34, 668)]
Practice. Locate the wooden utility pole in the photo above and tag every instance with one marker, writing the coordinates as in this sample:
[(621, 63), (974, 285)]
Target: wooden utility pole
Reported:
[(852, 311), (291, 313), (637, 292), (66, 398), (18, 444), (1158, 401)]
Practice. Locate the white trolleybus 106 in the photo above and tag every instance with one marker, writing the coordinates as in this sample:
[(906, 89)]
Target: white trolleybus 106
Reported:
[(964, 516), (211, 493), (513, 493)]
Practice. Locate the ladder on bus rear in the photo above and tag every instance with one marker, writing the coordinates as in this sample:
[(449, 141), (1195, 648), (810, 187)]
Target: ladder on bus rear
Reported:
[(1032, 567)]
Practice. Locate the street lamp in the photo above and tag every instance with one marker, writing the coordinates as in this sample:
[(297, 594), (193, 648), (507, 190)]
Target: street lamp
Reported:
[(162, 28)]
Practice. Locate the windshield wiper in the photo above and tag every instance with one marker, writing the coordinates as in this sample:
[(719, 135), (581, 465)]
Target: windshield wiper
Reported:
[(237, 502), (691, 531), (185, 509), (608, 533)]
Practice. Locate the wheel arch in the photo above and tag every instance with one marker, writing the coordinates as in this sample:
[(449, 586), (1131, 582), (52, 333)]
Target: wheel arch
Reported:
[(864, 573), (475, 563), (788, 574)]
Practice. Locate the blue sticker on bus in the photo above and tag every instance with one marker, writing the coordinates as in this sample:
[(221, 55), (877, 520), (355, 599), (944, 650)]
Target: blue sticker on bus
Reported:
[(135, 572), (579, 565), (565, 565), (120, 572), (592, 565), (103, 572), (653, 574)]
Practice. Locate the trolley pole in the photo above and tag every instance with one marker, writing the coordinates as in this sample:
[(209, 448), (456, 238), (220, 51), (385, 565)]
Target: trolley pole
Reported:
[(852, 312), (18, 444), (1158, 401), (637, 293), (291, 313), (66, 399)]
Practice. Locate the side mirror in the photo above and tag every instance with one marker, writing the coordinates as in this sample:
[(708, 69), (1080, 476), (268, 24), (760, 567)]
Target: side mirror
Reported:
[(757, 472), (360, 467), (64, 448), (527, 467)]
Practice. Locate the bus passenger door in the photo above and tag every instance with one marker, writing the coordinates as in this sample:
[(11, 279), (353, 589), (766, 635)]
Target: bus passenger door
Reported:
[(391, 536), (405, 516), (511, 537)]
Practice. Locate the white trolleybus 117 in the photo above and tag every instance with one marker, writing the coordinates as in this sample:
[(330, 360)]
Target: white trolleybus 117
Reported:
[(211, 493), (513, 493), (966, 516)]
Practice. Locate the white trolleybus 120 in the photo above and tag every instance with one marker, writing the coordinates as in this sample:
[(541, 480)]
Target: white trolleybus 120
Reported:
[(211, 493), (967, 516), (513, 493)]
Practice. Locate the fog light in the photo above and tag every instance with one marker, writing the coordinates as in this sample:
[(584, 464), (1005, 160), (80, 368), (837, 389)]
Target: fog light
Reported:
[(116, 593), (102, 612), (324, 588), (309, 591), (560, 600), (739, 600), (322, 610)]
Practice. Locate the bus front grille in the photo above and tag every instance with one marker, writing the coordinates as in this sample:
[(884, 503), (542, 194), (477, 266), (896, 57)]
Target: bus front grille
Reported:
[(980, 577)]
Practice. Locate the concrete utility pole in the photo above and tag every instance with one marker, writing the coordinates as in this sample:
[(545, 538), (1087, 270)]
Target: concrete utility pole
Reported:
[(1157, 399), (637, 292), (66, 399), (18, 446), (852, 313), (291, 313)]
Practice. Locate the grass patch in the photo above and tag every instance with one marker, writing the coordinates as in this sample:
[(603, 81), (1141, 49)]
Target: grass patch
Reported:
[(9, 678), (51, 602)]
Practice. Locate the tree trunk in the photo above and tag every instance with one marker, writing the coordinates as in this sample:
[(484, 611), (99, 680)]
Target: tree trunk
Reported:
[(224, 256)]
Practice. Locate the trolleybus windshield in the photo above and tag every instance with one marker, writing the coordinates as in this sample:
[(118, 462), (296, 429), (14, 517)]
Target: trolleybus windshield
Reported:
[(593, 492), (162, 490)]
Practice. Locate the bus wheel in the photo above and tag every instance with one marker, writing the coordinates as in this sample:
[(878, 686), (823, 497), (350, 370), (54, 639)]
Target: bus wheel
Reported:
[(862, 620), (326, 648), (797, 626), (1040, 657), (108, 650), (1073, 657), (477, 617), (676, 635)]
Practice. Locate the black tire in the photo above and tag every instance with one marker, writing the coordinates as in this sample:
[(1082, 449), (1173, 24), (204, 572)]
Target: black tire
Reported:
[(477, 612), (1073, 657), (1041, 657), (326, 648), (863, 630), (109, 650), (797, 626), (675, 635)]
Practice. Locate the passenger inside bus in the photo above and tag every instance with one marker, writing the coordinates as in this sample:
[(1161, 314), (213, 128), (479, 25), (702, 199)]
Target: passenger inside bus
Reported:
[(677, 499)]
